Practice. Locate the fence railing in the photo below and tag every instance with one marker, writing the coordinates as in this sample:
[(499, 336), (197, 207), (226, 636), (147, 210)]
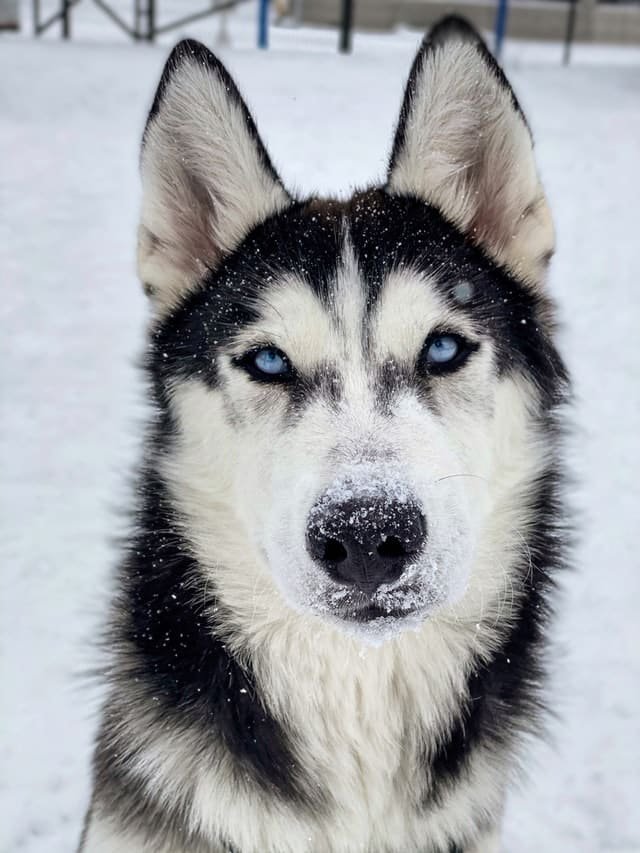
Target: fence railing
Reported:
[(144, 26)]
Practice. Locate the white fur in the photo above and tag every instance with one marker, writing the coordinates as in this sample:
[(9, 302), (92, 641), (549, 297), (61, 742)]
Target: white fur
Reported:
[(489, 844), (468, 151), (104, 836)]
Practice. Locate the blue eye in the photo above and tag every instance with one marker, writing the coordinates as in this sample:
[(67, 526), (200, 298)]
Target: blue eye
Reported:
[(270, 361), (446, 352), (266, 364), (443, 349)]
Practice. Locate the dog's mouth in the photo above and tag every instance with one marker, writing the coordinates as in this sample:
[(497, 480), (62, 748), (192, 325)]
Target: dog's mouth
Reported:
[(373, 612), (381, 606)]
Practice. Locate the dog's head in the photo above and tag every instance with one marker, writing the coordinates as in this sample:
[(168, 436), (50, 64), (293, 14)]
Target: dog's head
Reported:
[(352, 390)]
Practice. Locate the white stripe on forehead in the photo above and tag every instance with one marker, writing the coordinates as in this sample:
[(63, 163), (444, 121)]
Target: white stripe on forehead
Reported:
[(349, 297), (349, 306)]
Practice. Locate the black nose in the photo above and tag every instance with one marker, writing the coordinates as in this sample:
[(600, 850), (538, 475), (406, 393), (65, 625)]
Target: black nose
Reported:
[(366, 542)]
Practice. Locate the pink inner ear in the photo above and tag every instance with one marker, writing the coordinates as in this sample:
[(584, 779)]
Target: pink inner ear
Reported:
[(494, 220)]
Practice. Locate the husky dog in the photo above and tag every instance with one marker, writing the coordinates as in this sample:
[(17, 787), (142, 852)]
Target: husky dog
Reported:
[(328, 633)]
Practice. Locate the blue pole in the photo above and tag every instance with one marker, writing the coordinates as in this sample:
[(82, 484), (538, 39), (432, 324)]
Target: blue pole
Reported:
[(263, 24), (501, 24)]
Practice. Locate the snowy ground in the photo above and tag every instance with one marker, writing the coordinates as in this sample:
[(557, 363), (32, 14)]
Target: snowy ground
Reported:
[(70, 121)]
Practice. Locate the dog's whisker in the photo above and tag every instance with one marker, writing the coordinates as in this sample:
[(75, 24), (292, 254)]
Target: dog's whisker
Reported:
[(454, 476)]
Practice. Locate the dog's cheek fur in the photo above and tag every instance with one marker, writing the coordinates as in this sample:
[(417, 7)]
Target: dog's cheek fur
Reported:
[(515, 451), (222, 476), (218, 470)]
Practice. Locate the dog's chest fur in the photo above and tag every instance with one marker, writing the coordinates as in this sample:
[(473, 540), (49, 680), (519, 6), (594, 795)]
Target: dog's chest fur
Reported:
[(366, 728)]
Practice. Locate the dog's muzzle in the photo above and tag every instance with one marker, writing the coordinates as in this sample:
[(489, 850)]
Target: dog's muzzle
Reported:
[(364, 542)]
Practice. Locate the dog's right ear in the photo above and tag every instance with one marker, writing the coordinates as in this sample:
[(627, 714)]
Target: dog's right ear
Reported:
[(206, 177)]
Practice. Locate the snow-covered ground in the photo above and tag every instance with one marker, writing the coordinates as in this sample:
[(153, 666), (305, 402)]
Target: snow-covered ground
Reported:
[(73, 316)]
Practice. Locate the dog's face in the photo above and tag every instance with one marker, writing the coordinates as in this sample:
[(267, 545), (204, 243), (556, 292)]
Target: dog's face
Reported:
[(344, 380), (361, 406)]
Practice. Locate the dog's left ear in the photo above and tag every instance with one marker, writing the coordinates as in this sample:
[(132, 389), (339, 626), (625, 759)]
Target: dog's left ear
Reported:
[(463, 145), (206, 177)]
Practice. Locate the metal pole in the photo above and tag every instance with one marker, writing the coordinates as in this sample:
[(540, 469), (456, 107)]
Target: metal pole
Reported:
[(223, 31), (263, 24), (502, 13), (196, 16), (151, 17), (66, 22), (346, 24), (570, 32)]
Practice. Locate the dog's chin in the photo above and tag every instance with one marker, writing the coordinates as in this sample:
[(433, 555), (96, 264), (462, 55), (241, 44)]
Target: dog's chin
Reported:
[(375, 617), (374, 625), (379, 617)]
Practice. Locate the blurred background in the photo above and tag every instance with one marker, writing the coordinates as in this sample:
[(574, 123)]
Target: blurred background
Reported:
[(324, 79)]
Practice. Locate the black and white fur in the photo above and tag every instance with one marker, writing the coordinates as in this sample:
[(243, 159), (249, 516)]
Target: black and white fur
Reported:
[(250, 708)]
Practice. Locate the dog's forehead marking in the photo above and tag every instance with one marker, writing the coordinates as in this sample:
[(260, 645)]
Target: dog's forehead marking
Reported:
[(347, 329), (463, 292), (350, 304)]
